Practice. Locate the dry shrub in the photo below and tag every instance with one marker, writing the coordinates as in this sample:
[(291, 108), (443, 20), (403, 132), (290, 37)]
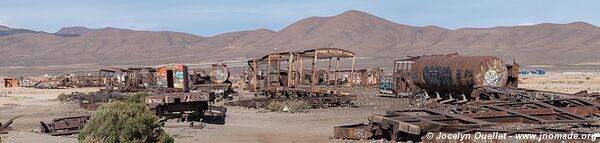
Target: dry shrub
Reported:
[(297, 106), (62, 97), (291, 106), (138, 97), (275, 107), (89, 140), (123, 122)]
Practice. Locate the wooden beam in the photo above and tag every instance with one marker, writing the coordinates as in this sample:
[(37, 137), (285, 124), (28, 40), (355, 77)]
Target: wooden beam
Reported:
[(290, 70), (337, 72), (268, 72), (314, 73), (352, 71), (328, 72), (300, 70), (254, 82)]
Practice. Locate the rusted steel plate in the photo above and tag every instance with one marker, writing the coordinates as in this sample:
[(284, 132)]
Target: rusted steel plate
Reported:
[(356, 131), (399, 125), (64, 126)]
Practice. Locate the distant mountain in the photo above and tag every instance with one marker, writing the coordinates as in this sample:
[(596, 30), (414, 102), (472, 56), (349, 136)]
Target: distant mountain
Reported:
[(80, 30), (354, 30), (238, 39), (2, 27), (378, 40), (5, 31)]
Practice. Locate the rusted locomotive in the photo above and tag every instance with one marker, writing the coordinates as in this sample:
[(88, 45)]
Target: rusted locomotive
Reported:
[(216, 80), (182, 92), (448, 78)]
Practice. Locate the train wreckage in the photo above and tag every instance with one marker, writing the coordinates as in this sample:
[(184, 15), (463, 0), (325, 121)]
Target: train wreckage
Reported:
[(449, 93), (174, 93), (283, 76), (448, 78), (468, 95), (569, 115)]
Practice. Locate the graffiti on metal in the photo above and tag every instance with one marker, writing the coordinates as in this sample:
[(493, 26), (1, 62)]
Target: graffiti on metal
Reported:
[(437, 76)]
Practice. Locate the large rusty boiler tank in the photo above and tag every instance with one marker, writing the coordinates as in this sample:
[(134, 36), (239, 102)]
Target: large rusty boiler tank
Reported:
[(457, 75), (219, 73)]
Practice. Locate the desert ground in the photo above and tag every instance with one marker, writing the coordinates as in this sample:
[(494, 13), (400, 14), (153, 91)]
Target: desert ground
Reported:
[(246, 125)]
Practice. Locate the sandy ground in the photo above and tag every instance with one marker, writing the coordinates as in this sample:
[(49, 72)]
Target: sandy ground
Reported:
[(566, 82), (36, 105), (246, 125)]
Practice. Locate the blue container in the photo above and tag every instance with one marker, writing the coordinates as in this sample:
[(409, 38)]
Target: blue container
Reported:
[(541, 72), (524, 72)]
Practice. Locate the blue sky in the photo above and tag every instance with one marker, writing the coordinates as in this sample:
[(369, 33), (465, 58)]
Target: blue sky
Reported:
[(208, 18)]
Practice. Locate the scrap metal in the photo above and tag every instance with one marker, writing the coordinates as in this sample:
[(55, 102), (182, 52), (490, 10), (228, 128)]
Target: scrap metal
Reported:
[(172, 77), (5, 126), (278, 80), (91, 101), (64, 126), (413, 124), (314, 102), (11, 82), (521, 94), (447, 78), (282, 75), (215, 81), (128, 80), (179, 104), (219, 73)]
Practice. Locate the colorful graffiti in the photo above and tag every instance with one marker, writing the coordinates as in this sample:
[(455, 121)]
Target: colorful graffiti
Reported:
[(176, 72)]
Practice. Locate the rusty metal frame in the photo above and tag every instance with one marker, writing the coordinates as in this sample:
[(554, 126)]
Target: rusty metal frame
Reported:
[(65, 125), (521, 94), (295, 71), (416, 122), (179, 104), (400, 80), (11, 82)]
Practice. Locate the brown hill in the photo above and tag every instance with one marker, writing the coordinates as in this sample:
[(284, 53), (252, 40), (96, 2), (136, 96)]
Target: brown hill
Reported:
[(377, 40)]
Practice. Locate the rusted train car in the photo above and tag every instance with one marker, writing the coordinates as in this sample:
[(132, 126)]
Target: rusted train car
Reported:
[(315, 76), (285, 74), (175, 92), (179, 92), (448, 78), (128, 80), (173, 77)]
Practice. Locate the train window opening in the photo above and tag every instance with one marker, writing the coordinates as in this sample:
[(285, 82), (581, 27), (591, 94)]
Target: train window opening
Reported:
[(170, 82)]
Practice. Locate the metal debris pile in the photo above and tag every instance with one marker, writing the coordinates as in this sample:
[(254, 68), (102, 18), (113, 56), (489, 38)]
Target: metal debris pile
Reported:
[(64, 126), (314, 102), (534, 117), (93, 100)]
